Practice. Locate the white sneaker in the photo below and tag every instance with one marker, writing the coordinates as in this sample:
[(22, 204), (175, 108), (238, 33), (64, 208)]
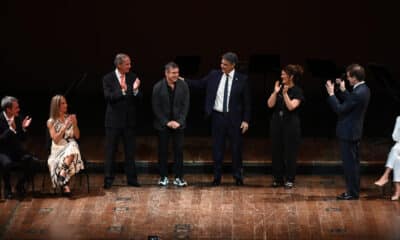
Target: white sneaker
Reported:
[(180, 182), (163, 181)]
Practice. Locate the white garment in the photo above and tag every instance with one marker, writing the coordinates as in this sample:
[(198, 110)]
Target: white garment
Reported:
[(396, 130), (393, 160), (67, 146)]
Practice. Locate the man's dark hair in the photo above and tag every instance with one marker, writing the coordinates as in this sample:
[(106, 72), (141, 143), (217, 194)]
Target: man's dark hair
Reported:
[(231, 57), (170, 65), (357, 71)]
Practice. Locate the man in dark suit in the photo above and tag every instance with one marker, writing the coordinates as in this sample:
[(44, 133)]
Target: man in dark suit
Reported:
[(12, 134), (351, 111), (170, 103), (121, 90), (228, 104)]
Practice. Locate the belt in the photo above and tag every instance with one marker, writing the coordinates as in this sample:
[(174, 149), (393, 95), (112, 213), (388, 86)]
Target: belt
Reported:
[(221, 113)]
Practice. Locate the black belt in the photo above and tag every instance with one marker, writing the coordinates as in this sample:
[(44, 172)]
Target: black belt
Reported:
[(221, 113)]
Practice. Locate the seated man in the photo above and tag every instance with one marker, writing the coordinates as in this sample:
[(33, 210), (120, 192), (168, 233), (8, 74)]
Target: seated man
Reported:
[(12, 133)]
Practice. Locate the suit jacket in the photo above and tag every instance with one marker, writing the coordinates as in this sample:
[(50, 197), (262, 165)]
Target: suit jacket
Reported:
[(351, 112), (162, 105), (239, 100), (121, 109), (11, 143)]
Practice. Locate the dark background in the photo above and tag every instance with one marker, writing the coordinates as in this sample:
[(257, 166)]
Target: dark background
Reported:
[(49, 46)]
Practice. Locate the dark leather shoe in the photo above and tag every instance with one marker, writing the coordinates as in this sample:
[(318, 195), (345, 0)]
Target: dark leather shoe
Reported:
[(239, 182), (20, 189), (216, 182), (8, 194), (346, 196), (134, 184), (107, 185), (276, 184)]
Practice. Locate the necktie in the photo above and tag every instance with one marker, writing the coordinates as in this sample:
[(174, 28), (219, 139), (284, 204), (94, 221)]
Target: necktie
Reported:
[(123, 82), (225, 102)]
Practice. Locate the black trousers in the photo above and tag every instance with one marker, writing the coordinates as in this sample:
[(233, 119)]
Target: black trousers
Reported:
[(349, 151), (113, 137), (22, 162), (177, 143), (285, 137), (223, 128)]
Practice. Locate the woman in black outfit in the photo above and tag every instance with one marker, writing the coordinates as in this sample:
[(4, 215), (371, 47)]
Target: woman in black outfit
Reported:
[(285, 130)]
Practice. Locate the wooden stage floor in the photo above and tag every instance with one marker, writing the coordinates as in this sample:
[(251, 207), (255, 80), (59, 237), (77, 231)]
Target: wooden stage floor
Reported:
[(199, 211)]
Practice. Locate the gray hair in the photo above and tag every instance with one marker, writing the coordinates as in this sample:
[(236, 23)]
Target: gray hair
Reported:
[(7, 101), (231, 57), (170, 65), (119, 58)]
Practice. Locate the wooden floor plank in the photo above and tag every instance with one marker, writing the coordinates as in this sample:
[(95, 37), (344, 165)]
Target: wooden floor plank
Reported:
[(199, 211)]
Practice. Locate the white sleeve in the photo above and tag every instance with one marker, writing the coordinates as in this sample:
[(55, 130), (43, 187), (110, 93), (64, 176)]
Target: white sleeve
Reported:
[(396, 130)]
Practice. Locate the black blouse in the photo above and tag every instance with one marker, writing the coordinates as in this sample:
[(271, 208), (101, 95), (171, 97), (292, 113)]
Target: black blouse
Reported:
[(280, 108)]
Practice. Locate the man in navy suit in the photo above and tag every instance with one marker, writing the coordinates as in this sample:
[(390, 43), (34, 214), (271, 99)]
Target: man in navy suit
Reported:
[(351, 111), (228, 104), (121, 90)]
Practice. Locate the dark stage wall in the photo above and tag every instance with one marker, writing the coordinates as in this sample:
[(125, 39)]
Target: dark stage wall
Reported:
[(46, 46)]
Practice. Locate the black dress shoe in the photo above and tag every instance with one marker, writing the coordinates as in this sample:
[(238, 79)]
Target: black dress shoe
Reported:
[(276, 184), (134, 184), (216, 182), (8, 194), (239, 182), (107, 185), (21, 189), (346, 196)]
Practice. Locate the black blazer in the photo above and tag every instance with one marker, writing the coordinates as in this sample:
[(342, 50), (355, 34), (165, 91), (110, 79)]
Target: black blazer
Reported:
[(11, 143), (239, 101), (121, 109), (351, 112), (162, 105)]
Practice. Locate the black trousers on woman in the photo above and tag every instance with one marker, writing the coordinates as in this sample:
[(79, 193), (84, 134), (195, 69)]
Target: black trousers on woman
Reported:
[(285, 137)]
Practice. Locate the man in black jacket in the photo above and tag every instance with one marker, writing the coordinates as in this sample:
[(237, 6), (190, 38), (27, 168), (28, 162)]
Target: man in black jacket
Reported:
[(170, 106), (12, 133), (351, 111), (121, 90)]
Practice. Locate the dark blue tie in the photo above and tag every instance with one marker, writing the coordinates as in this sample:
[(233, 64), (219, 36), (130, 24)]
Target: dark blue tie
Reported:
[(225, 102)]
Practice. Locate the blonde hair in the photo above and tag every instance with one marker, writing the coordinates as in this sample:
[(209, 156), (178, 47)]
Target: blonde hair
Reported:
[(55, 106)]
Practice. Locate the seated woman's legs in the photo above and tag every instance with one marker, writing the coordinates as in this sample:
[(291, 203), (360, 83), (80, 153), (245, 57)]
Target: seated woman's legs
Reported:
[(389, 166), (67, 162), (384, 178), (396, 179)]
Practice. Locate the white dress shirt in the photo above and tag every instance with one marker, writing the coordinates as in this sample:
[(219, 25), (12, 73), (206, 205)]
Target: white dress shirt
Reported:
[(358, 84), (9, 121), (219, 99)]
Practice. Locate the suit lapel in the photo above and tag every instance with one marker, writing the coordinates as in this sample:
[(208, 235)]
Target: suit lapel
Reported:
[(166, 92), (219, 76), (235, 82), (115, 80)]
